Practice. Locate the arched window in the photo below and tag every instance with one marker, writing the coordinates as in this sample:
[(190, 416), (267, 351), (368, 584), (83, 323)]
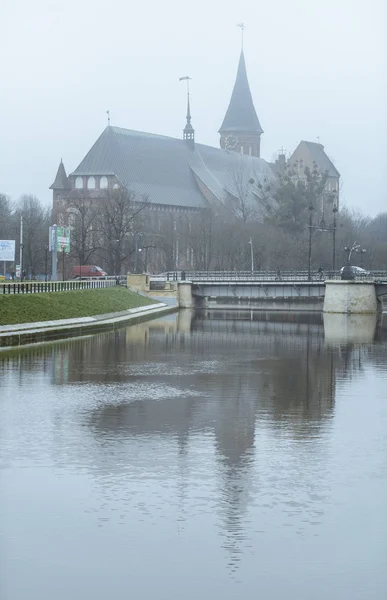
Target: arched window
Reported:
[(79, 183), (103, 183), (91, 183)]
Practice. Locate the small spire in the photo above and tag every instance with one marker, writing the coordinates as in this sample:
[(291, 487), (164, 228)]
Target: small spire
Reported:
[(188, 131)]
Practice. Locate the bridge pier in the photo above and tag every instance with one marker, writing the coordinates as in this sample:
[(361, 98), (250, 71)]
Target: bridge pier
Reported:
[(185, 298), (350, 297)]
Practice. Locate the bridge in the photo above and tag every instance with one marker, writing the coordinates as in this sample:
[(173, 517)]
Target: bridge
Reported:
[(290, 290)]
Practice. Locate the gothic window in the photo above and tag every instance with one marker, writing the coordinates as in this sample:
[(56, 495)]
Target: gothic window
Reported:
[(103, 183), (79, 183), (91, 183)]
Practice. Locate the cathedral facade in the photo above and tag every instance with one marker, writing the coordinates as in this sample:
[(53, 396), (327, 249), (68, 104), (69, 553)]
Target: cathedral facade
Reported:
[(175, 176)]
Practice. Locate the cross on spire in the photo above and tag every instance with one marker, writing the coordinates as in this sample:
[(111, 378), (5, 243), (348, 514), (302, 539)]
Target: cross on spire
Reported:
[(242, 28)]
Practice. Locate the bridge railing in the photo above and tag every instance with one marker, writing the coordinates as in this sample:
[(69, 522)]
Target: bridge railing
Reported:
[(37, 287), (241, 276), (291, 276)]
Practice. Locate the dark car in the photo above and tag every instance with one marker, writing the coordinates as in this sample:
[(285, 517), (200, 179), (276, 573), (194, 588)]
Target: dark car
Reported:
[(357, 271)]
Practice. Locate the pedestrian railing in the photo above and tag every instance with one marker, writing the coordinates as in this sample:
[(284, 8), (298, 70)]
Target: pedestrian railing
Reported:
[(291, 276), (37, 287)]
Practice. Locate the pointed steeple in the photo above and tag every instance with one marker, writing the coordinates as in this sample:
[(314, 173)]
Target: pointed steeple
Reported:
[(61, 180), (241, 123)]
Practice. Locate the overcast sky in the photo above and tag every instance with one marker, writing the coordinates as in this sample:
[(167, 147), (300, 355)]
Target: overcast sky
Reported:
[(317, 69)]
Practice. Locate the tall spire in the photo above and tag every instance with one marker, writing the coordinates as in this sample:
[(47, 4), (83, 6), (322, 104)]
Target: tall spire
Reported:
[(188, 131), (241, 115), (241, 122)]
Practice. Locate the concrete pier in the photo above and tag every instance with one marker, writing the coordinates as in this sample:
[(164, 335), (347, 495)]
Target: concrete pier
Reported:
[(350, 297), (184, 295)]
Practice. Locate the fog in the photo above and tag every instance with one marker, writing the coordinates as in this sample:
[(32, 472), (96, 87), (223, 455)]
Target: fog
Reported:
[(316, 70)]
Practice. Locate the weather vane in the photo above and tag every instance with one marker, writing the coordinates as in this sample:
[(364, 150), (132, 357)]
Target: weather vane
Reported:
[(108, 114), (187, 79), (242, 28)]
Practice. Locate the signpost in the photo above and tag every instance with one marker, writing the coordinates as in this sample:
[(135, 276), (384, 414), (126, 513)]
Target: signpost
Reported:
[(58, 241), (7, 252)]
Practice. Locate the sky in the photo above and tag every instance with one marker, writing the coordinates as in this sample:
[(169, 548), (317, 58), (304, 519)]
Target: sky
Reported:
[(317, 70)]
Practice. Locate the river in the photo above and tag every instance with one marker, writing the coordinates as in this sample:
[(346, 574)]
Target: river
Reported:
[(203, 455)]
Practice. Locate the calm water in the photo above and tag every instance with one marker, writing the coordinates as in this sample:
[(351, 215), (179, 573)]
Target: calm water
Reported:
[(220, 456)]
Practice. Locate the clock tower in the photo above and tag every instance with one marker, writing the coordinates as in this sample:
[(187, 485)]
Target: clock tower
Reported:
[(241, 130)]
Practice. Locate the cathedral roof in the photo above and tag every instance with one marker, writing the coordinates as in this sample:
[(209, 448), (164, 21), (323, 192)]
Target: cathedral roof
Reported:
[(61, 181), (166, 169), (241, 115)]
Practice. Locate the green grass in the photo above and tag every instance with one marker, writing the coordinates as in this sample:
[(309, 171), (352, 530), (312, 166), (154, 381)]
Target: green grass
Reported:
[(29, 308)]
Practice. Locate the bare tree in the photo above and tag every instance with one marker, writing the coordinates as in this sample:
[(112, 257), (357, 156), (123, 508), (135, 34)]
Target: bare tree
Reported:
[(5, 216), (83, 218), (121, 222), (36, 220)]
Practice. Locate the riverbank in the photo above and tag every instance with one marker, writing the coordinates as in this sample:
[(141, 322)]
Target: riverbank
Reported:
[(35, 318), (48, 306), (43, 331)]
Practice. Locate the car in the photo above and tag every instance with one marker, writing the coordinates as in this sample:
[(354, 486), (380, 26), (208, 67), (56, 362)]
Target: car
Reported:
[(357, 271), (87, 271)]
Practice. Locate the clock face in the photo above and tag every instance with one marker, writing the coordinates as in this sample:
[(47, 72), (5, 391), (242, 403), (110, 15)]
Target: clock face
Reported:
[(231, 142)]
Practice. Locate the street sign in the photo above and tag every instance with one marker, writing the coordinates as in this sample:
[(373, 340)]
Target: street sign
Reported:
[(63, 239), (7, 250)]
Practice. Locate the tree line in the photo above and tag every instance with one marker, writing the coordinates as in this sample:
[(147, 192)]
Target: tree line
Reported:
[(265, 224)]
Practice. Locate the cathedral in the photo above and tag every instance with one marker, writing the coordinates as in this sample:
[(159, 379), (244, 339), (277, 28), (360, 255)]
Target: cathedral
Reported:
[(172, 173), (182, 175)]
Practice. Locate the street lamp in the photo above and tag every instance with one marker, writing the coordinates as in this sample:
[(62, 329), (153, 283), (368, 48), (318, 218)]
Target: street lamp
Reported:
[(311, 208), (334, 210), (252, 255), (347, 272), (137, 249)]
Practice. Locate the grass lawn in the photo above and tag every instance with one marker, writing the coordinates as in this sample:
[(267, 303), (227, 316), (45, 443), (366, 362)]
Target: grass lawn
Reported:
[(29, 308)]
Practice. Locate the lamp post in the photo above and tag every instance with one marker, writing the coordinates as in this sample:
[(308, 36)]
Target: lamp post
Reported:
[(252, 255), (334, 210), (311, 208), (137, 249), (347, 273)]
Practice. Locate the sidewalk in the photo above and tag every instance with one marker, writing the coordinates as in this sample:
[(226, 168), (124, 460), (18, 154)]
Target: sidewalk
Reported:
[(32, 333)]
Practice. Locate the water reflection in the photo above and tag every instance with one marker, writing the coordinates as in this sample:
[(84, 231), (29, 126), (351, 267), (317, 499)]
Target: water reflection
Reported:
[(224, 417), (348, 329)]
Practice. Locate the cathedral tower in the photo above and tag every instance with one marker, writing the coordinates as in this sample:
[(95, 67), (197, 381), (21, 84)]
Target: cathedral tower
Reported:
[(241, 130)]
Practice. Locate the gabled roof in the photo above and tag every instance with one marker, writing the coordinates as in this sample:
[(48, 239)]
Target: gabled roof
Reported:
[(61, 181), (164, 168), (317, 154), (241, 115)]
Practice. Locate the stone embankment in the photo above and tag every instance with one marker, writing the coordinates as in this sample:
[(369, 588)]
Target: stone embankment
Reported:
[(43, 331)]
